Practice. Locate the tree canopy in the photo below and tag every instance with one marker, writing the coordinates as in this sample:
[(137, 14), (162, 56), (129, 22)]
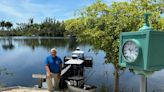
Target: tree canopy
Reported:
[(101, 25)]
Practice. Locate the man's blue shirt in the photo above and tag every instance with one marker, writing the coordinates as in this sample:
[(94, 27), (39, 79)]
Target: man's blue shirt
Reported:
[(53, 63)]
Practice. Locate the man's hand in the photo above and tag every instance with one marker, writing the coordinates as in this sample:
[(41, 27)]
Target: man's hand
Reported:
[(58, 76), (48, 74)]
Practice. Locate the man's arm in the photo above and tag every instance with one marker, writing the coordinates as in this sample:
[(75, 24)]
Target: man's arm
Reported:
[(48, 73)]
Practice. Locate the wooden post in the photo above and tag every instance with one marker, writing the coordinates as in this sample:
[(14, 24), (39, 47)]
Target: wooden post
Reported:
[(40, 80)]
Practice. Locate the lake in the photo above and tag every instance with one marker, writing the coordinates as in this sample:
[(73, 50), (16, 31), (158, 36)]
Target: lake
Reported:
[(24, 56)]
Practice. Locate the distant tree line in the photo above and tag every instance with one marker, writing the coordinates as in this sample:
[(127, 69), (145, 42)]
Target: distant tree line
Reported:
[(48, 27), (5, 24)]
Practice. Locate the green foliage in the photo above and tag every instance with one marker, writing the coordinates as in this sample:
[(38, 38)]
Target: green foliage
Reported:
[(2, 85), (3, 71), (104, 88), (101, 25)]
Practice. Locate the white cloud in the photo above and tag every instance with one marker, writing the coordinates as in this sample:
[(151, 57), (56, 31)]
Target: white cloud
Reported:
[(22, 10), (18, 11), (8, 10)]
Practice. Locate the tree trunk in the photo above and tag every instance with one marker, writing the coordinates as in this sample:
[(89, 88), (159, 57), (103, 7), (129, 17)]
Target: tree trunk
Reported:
[(116, 79), (2, 28)]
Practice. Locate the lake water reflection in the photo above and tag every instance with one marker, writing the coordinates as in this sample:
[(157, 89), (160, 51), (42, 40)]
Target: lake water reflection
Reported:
[(24, 56)]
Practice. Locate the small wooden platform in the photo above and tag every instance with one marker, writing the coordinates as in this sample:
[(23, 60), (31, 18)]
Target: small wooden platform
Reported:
[(42, 77)]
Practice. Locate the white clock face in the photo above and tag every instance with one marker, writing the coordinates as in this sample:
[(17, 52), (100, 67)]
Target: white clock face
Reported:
[(130, 51)]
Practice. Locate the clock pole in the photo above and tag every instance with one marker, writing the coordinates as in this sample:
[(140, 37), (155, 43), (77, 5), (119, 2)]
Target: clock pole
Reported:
[(143, 83)]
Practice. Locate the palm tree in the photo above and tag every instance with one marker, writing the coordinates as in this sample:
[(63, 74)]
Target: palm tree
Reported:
[(31, 21), (2, 23), (8, 25)]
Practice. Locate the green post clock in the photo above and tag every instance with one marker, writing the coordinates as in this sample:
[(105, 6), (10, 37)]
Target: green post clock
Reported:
[(142, 50)]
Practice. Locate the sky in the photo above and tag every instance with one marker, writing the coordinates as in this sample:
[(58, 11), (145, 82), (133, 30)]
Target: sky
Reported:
[(19, 11)]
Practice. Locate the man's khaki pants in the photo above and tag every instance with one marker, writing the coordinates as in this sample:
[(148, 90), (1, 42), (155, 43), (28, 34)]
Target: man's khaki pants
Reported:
[(53, 82)]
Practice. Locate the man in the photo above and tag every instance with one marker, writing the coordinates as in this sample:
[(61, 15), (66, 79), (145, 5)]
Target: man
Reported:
[(53, 66)]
